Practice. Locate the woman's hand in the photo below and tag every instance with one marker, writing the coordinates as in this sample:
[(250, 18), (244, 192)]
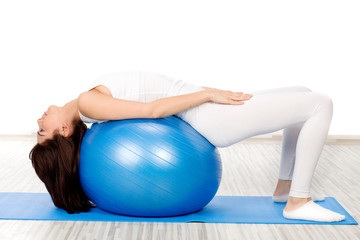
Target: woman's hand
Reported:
[(227, 97)]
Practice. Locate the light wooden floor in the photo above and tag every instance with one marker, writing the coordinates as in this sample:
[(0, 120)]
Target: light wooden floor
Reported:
[(250, 168)]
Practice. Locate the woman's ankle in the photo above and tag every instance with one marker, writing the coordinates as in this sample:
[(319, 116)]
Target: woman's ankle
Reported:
[(294, 203), (282, 187)]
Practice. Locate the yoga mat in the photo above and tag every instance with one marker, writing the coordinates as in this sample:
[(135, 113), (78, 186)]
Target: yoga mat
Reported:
[(222, 209)]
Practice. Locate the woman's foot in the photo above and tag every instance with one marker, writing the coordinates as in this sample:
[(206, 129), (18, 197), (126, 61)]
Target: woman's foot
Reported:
[(306, 209), (303, 208)]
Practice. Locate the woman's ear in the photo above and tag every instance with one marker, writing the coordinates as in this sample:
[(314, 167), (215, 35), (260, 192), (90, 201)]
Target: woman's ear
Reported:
[(65, 130)]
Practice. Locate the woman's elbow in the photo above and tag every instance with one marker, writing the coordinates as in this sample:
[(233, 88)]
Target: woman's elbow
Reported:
[(154, 112)]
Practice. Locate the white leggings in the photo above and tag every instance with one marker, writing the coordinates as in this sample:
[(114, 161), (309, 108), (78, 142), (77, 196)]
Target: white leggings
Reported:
[(305, 117)]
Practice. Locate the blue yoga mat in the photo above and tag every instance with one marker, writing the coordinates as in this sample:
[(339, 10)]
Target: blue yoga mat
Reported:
[(222, 209)]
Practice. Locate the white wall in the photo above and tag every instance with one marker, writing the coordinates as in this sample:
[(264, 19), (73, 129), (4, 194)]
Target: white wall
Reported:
[(50, 50)]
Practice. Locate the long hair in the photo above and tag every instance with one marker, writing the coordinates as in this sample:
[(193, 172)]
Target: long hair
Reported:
[(56, 162)]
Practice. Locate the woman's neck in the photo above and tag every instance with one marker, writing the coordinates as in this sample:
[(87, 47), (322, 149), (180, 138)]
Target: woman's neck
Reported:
[(71, 110)]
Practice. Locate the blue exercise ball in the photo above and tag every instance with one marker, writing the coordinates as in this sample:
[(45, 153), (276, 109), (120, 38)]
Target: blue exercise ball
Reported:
[(148, 167)]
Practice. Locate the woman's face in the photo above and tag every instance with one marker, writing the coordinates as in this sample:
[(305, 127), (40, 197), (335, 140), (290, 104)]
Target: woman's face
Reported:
[(48, 123)]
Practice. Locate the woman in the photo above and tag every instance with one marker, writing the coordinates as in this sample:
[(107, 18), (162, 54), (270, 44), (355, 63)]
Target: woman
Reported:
[(305, 117)]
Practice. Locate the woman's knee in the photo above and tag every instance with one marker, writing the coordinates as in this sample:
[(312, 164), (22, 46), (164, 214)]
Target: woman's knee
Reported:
[(325, 103)]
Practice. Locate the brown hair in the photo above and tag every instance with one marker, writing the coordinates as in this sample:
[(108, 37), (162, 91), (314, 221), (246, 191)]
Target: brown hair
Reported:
[(56, 162)]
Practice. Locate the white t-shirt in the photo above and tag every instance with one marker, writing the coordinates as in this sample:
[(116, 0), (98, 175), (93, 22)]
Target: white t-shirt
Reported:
[(141, 87)]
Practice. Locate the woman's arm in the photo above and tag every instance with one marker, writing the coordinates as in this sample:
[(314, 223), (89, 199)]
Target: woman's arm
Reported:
[(169, 106), (97, 105)]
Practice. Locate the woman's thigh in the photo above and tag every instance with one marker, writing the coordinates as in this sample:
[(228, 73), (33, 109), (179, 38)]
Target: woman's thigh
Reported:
[(266, 112)]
